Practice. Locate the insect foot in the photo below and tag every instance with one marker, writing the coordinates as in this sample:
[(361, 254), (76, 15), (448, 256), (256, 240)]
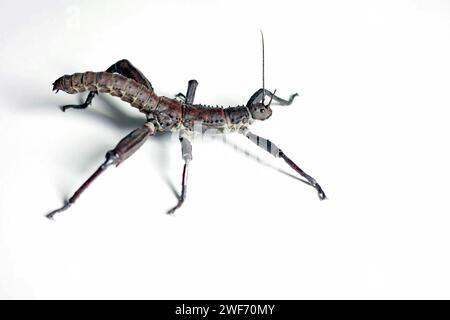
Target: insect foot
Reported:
[(64, 207), (322, 195)]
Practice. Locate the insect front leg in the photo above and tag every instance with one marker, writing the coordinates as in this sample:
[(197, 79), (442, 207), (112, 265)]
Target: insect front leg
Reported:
[(190, 94), (186, 151), (258, 96), (125, 148), (278, 153), (123, 67)]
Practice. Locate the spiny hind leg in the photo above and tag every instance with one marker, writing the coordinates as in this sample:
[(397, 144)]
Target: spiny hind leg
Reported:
[(123, 67), (125, 148), (190, 94), (186, 151), (258, 96), (278, 153)]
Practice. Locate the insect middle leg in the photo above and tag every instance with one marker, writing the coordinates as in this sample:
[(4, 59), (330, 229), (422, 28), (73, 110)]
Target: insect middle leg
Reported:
[(123, 67), (278, 153), (186, 146), (186, 151), (258, 96), (125, 148)]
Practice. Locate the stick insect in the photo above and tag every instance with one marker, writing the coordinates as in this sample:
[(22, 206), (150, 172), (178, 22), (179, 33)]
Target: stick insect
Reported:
[(125, 81)]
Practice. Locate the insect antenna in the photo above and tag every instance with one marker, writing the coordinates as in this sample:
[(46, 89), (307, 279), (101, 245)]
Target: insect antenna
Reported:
[(263, 84)]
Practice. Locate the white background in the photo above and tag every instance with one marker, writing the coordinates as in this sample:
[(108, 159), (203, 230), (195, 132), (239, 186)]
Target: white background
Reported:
[(371, 124)]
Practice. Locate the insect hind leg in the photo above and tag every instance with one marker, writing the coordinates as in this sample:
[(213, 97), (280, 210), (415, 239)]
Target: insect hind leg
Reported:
[(83, 105)]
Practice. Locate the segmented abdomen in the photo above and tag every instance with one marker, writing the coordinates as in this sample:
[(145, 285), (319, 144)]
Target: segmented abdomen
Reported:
[(117, 85), (220, 119)]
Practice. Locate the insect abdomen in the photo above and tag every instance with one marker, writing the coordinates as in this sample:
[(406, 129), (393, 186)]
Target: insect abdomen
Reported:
[(117, 85)]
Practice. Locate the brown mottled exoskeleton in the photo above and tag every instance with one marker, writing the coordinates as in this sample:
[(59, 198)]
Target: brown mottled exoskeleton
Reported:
[(125, 81)]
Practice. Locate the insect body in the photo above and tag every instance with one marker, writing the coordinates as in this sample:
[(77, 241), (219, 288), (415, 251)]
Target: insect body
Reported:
[(164, 113), (123, 80)]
